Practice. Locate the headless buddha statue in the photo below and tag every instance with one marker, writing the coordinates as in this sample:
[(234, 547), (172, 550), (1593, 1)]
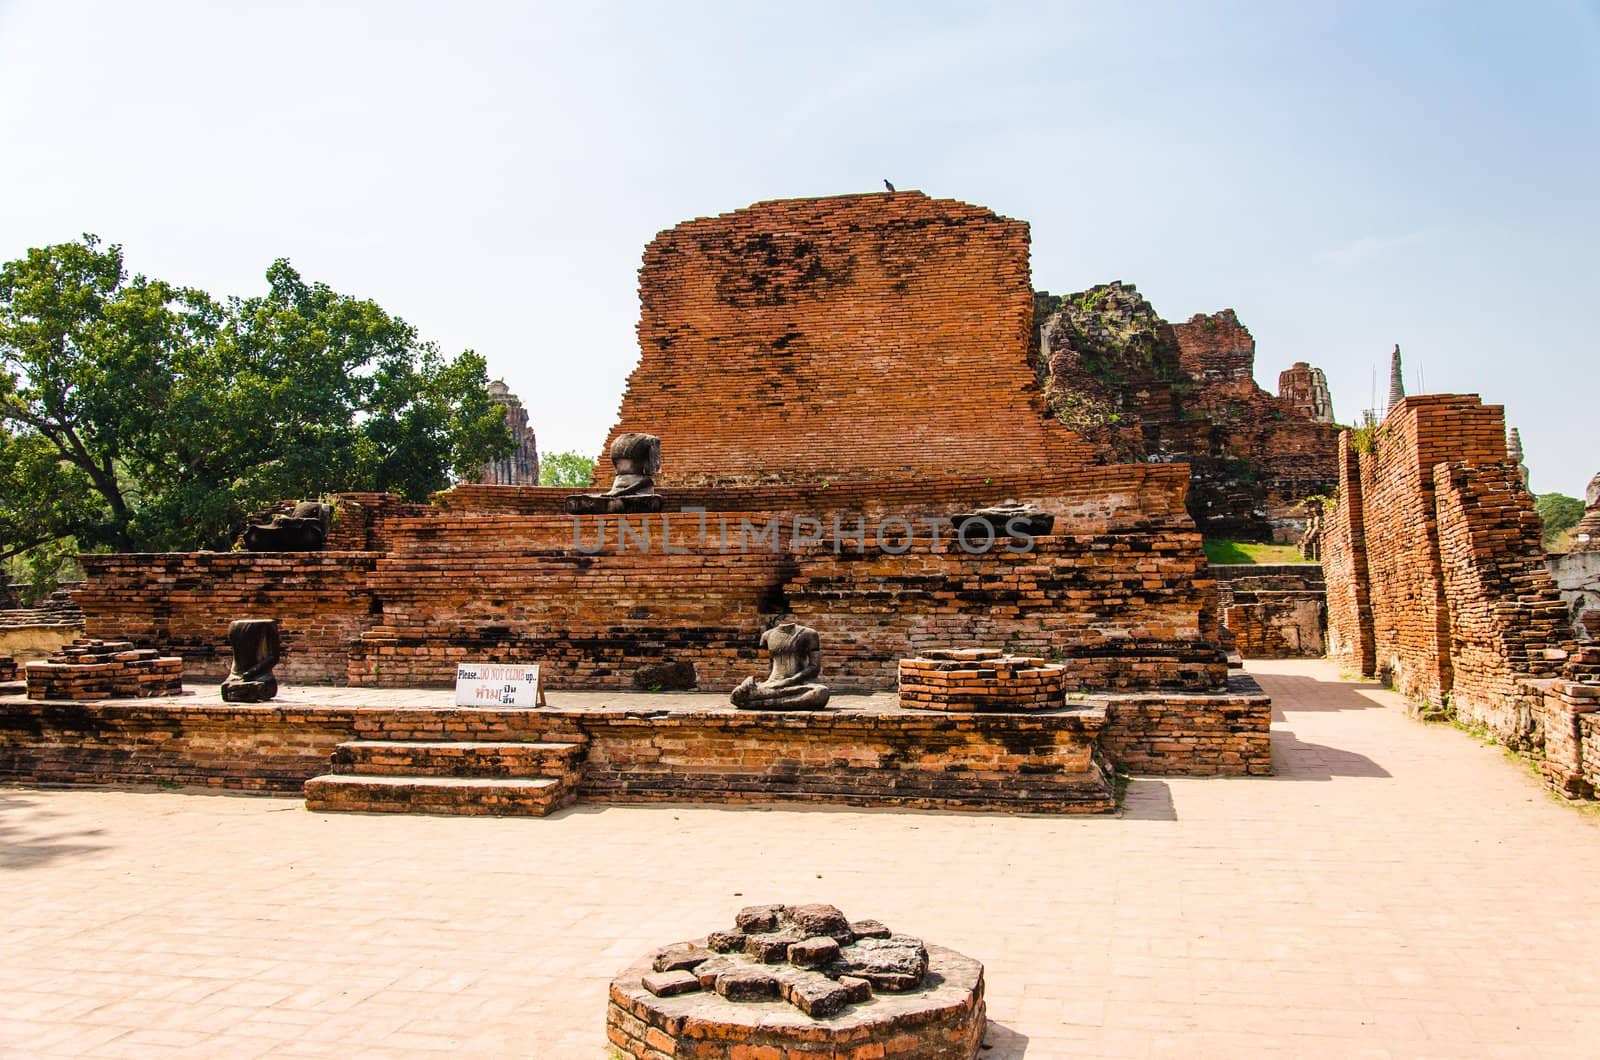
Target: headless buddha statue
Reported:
[(303, 530), (796, 653), (256, 650), (636, 458)]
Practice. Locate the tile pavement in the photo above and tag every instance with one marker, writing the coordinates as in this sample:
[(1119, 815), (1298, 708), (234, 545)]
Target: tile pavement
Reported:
[(1396, 890)]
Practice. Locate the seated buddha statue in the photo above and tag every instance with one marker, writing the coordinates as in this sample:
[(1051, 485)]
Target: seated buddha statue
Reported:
[(796, 653), (636, 458), (303, 530)]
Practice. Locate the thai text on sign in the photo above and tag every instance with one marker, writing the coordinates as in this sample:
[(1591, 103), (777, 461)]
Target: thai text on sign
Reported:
[(487, 685)]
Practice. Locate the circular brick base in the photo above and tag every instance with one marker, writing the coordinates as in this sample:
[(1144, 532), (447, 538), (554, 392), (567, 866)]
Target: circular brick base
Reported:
[(943, 1021)]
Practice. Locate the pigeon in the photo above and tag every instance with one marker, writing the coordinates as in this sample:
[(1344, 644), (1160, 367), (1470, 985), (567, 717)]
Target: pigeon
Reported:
[(887, 184)]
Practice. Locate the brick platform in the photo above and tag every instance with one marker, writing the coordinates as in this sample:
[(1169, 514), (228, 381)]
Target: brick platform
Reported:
[(980, 679), (676, 748), (943, 1022), (97, 669)]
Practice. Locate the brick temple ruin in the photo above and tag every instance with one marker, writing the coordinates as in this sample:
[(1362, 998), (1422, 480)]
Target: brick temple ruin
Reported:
[(1140, 388), (829, 379)]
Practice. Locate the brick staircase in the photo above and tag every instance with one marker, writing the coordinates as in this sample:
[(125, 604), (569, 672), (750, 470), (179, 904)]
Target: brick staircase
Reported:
[(498, 778)]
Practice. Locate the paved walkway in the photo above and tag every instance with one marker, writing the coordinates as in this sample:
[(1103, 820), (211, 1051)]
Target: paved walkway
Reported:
[(1397, 890)]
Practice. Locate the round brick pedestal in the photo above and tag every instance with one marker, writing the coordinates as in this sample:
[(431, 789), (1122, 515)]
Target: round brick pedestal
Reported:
[(794, 982)]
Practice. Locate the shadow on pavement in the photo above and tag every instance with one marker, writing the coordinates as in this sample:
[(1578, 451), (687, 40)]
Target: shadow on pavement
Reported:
[(1294, 759), (1148, 800), (1002, 1043), (1308, 695), (25, 839)]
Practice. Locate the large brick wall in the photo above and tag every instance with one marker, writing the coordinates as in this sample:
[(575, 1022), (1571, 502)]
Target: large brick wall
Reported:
[(854, 337), (183, 603), (1411, 624), (1432, 554), (1505, 615)]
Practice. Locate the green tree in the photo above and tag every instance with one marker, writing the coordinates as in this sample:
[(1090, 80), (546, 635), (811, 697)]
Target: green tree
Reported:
[(1560, 513), (570, 468), (137, 415)]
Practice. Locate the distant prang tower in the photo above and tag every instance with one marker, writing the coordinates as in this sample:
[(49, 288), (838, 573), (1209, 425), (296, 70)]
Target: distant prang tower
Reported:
[(1397, 382), (521, 467)]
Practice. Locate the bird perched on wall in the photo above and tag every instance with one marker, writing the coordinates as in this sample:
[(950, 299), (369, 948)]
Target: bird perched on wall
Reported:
[(887, 184)]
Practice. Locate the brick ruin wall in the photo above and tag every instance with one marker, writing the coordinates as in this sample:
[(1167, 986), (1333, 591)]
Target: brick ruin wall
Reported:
[(1273, 611), (1125, 611), (1504, 615), (1411, 622), (1568, 716), (1459, 608), (182, 604), (851, 338), (513, 588), (1121, 588), (1344, 568)]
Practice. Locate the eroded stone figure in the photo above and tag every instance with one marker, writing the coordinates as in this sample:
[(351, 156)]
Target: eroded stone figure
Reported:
[(303, 530), (796, 653), (256, 650), (636, 459)]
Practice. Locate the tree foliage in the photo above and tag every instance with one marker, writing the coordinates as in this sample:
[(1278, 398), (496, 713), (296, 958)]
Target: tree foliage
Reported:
[(570, 468), (138, 415), (1560, 513)]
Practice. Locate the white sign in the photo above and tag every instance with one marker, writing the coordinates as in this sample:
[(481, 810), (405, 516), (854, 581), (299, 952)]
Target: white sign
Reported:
[(486, 685)]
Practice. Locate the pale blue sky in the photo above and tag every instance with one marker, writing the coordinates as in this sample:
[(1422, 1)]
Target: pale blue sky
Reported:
[(1346, 176)]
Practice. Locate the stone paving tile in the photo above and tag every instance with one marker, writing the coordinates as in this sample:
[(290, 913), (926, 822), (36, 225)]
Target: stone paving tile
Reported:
[(1396, 890)]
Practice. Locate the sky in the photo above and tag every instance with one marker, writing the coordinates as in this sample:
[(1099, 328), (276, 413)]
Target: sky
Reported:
[(1345, 176)]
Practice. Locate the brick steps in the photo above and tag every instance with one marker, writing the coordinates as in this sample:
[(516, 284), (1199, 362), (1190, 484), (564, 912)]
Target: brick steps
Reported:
[(454, 777), (459, 758)]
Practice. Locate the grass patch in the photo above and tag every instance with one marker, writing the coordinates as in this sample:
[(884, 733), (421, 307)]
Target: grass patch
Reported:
[(1219, 550)]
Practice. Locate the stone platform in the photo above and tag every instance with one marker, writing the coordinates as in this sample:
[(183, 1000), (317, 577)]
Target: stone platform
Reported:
[(634, 747)]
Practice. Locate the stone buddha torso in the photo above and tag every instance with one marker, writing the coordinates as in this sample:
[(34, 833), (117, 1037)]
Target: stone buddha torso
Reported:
[(796, 653)]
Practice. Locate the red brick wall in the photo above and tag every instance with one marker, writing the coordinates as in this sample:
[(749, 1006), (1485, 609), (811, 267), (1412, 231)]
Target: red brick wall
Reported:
[(183, 603), (853, 337), (1344, 567), (1411, 626), (512, 589), (1126, 611), (1438, 542), (1505, 613)]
